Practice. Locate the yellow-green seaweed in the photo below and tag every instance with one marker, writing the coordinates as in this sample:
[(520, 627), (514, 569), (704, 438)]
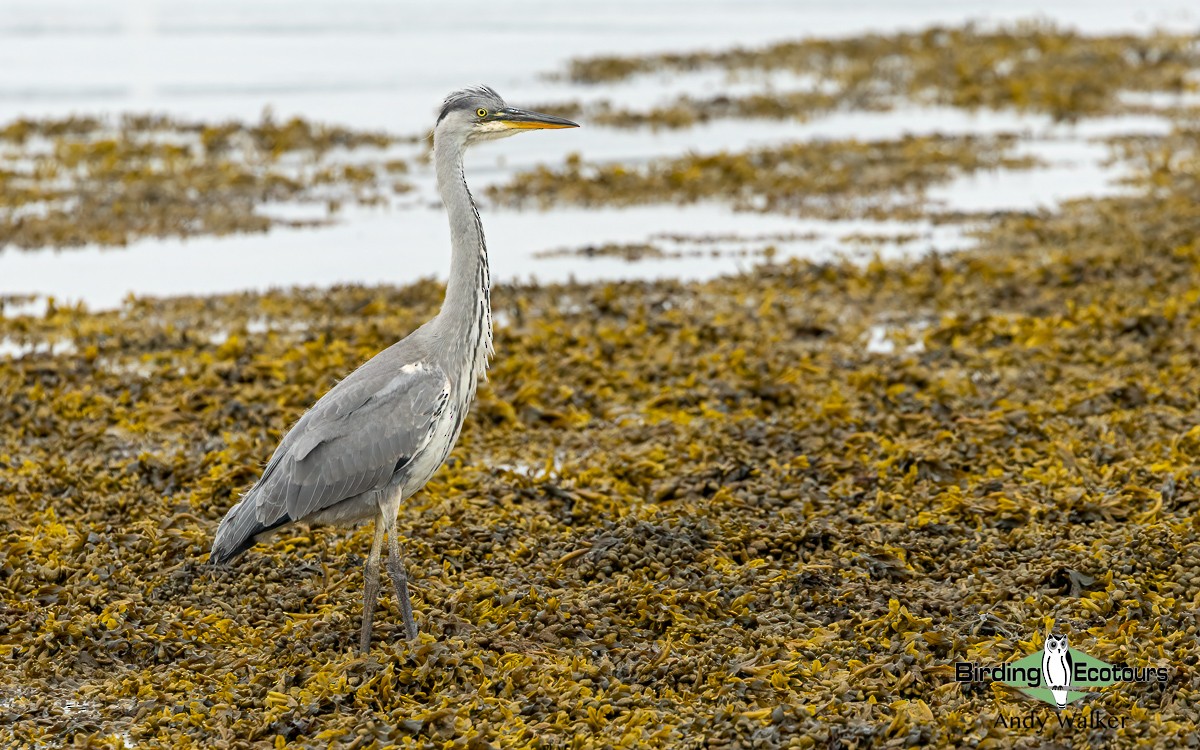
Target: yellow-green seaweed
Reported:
[(679, 514)]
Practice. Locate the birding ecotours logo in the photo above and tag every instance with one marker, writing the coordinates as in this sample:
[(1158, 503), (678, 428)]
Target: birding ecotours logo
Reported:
[(1058, 675)]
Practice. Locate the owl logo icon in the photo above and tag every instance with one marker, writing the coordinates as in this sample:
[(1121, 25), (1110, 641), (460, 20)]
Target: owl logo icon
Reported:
[(1056, 668)]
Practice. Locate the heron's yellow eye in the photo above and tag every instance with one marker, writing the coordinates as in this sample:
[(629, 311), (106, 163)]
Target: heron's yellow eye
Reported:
[(481, 112)]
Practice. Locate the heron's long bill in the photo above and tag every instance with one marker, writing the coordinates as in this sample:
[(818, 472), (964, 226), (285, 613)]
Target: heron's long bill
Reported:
[(524, 120)]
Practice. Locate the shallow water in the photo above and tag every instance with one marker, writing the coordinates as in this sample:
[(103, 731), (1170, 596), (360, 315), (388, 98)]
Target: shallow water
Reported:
[(386, 65), (379, 246), (402, 244)]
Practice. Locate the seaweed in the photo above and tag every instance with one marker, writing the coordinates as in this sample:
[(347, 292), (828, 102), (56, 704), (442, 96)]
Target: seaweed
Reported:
[(81, 180), (766, 510), (1029, 66), (679, 513), (832, 179)]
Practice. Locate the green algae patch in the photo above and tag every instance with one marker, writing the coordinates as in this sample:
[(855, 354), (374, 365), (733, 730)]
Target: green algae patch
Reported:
[(1032, 67), (833, 179), (680, 514), (75, 181)]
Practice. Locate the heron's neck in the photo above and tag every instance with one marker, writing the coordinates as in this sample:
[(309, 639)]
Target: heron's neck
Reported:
[(466, 315)]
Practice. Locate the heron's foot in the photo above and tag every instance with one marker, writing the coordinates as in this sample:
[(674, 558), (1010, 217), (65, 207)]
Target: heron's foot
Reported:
[(370, 589), (369, 598), (364, 640), (403, 600), (399, 578), (410, 625)]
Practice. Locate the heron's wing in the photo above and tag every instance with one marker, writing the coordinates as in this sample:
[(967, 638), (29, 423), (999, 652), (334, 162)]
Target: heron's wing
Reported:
[(358, 435)]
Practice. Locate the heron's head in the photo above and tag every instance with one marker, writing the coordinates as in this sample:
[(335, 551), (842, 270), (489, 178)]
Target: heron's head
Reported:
[(479, 114)]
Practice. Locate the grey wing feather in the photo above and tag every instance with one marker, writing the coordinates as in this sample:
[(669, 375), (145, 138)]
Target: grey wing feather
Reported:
[(353, 440)]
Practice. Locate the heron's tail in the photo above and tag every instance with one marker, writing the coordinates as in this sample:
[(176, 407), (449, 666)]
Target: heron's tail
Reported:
[(239, 530)]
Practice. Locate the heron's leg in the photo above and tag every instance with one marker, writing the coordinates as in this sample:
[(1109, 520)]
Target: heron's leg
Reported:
[(396, 572), (371, 592)]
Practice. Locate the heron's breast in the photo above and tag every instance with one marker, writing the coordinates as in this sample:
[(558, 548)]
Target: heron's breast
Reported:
[(426, 463)]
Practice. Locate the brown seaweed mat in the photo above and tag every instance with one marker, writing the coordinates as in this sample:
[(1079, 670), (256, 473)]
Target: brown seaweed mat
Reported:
[(680, 515)]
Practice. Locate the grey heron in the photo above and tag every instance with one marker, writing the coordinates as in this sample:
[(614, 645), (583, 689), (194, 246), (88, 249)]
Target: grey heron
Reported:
[(377, 437)]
